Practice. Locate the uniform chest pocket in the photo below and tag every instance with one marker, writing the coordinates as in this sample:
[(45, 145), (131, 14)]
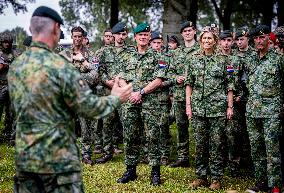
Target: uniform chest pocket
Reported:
[(216, 70)]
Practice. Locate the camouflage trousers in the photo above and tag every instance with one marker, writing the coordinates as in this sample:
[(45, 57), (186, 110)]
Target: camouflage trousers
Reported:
[(28, 182), (182, 130), (237, 139), (208, 133), (137, 120), (165, 137), (98, 134), (264, 135), (5, 105), (88, 127)]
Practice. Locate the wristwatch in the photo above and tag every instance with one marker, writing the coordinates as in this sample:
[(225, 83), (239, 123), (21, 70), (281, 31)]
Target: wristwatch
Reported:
[(142, 91)]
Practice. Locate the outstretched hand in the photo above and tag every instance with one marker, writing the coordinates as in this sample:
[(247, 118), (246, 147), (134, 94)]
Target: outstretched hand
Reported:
[(122, 92)]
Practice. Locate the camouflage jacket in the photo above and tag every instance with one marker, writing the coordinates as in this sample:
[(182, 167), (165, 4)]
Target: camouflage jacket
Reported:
[(7, 59), (265, 86), (240, 60), (211, 77), (46, 91), (140, 70), (89, 73), (182, 56)]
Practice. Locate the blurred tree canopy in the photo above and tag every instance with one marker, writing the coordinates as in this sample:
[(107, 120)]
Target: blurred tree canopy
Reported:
[(97, 15), (16, 5)]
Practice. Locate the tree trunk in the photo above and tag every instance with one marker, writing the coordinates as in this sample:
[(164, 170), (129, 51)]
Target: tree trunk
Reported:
[(280, 13), (177, 11), (114, 12)]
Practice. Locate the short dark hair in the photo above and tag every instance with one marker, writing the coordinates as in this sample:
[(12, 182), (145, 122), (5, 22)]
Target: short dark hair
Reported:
[(107, 30), (77, 29)]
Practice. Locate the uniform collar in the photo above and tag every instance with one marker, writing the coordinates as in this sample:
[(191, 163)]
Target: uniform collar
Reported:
[(40, 45)]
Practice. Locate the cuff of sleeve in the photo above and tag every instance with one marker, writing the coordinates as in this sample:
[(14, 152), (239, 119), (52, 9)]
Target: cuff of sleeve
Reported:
[(116, 101)]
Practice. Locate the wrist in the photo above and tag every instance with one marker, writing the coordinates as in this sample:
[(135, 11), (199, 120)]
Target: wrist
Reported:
[(142, 91), (230, 107)]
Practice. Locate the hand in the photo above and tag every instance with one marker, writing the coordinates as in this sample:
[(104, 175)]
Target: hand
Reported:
[(230, 113), (188, 111), (180, 79), (122, 92), (135, 97), (3, 66), (110, 83), (78, 56), (238, 99)]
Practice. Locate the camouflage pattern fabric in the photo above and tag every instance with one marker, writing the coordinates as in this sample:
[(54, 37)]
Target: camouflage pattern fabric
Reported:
[(178, 68), (140, 69), (47, 91), (5, 103), (28, 182), (265, 86), (211, 78), (91, 75)]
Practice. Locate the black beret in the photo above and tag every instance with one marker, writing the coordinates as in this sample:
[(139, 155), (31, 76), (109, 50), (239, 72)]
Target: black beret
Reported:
[(44, 11), (225, 34), (242, 32), (260, 30), (156, 35), (185, 25), (142, 27), (27, 41), (174, 38), (119, 27)]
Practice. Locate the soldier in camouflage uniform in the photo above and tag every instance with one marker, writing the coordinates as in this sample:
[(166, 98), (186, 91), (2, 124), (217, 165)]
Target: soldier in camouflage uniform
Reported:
[(142, 69), (164, 58), (244, 56), (178, 73), (102, 91), (108, 57), (265, 88), (88, 67), (232, 131), (209, 98), (7, 55), (46, 91)]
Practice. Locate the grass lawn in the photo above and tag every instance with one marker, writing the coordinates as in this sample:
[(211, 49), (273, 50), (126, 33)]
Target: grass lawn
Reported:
[(102, 178)]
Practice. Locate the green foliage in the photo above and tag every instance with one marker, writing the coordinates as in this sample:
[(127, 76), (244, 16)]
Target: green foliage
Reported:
[(102, 178), (16, 5)]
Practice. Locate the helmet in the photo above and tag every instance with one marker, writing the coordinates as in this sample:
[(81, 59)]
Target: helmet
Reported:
[(6, 37)]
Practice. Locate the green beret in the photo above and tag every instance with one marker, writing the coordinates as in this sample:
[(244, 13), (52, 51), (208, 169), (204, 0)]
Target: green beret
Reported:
[(185, 25), (143, 27), (260, 30), (225, 34), (241, 32), (119, 27), (156, 35), (44, 11)]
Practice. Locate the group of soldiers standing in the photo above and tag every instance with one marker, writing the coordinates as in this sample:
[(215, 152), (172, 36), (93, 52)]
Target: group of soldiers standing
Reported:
[(229, 86)]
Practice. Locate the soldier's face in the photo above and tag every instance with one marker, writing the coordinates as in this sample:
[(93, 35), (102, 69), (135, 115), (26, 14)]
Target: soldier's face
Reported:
[(188, 33), (6, 45), (207, 40), (108, 38), (77, 38), (226, 43), (157, 44), (142, 38), (242, 42), (173, 45), (261, 42), (120, 37)]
